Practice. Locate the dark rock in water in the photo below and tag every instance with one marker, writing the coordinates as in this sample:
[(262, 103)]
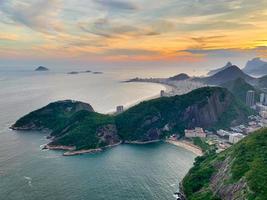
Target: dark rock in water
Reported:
[(97, 72), (41, 68), (73, 72)]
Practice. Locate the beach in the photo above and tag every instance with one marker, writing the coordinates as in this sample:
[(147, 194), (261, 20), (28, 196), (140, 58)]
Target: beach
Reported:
[(186, 145)]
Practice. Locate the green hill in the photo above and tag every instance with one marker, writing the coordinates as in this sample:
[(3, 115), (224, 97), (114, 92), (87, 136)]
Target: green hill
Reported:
[(237, 173), (76, 124), (239, 88), (209, 107)]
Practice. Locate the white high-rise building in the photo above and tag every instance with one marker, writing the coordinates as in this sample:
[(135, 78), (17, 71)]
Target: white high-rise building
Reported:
[(262, 98), (250, 99)]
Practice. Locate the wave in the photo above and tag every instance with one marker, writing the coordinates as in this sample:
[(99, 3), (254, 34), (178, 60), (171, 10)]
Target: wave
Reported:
[(29, 179)]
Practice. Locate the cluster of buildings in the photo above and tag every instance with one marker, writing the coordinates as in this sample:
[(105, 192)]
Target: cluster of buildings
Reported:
[(193, 133)]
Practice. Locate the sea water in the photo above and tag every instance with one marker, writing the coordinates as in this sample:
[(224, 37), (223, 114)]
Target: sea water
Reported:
[(137, 172)]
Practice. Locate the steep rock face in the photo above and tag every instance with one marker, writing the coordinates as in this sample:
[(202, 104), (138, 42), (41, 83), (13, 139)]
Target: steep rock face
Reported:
[(208, 114), (108, 134)]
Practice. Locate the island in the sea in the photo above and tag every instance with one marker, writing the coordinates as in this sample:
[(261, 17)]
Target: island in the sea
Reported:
[(41, 69)]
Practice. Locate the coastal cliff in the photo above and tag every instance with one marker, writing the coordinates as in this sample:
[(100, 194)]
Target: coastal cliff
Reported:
[(209, 107), (238, 173), (75, 126)]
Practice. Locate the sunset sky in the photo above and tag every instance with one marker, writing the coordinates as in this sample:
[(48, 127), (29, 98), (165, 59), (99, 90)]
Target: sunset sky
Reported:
[(132, 31)]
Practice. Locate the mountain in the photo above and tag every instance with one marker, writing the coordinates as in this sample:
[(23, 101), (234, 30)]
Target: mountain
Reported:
[(228, 74), (256, 67), (71, 123), (41, 68), (237, 173), (239, 88), (262, 82), (209, 107), (179, 77), (76, 125), (212, 72)]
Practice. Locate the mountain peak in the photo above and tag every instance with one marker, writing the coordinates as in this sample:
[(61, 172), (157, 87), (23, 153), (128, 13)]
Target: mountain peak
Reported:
[(212, 72), (228, 74), (256, 66)]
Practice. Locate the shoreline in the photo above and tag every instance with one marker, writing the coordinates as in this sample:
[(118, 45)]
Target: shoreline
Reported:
[(139, 142), (186, 145), (168, 88), (71, 150)]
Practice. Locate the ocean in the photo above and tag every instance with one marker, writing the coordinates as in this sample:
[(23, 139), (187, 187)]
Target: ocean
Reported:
[(138, 172)]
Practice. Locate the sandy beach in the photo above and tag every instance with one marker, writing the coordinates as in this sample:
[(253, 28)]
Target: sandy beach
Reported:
[(186, 145)]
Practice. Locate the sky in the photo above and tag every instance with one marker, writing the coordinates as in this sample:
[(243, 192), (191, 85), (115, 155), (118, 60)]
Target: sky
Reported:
[(132, 32)]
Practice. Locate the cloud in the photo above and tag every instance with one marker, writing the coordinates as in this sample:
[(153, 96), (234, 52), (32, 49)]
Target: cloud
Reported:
[(106, 28), (117, 4), (130, 52), (215, 52), (40, 15)]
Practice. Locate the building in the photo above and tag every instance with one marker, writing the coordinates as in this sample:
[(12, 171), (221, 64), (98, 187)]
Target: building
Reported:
[(265, 100), (197, 132), (235, 137), (250, 98), (262, 98), (223, 133), (162, 93), (119, 109)]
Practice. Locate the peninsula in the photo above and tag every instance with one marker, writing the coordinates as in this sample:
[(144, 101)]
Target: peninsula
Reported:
[(76, 127)]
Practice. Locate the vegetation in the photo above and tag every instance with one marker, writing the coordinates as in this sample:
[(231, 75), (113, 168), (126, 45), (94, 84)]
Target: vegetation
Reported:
[(155, 114), (246, 161), (76, 124), (239, 88), (81, 130), (200, 142)]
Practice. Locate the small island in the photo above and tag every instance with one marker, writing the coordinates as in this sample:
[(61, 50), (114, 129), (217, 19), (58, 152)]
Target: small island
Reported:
[(41, 69)]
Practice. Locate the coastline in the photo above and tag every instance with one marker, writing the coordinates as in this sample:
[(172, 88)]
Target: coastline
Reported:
[(139, 142), (186, 145), (168, 88), (71, 150)]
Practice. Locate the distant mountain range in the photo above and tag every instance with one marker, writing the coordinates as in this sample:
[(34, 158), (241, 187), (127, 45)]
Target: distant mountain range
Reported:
[(256, 67), (215, 71), (228, 74)]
